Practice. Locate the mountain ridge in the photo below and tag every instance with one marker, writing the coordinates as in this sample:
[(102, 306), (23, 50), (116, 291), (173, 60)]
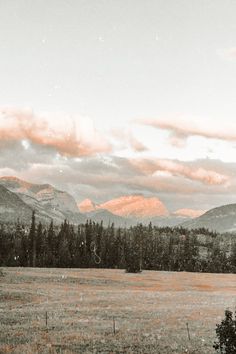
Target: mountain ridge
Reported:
[(220, 219), (128, 206), (12, 207), (44, 199)]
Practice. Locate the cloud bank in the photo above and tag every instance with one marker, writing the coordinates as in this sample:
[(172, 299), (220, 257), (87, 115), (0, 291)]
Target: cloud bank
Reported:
[(229, 53), (180, 129), (68, 152), (172, 168), (71, 136)]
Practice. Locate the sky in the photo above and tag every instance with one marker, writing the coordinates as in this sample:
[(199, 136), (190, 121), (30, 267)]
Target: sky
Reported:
[(106, 98)]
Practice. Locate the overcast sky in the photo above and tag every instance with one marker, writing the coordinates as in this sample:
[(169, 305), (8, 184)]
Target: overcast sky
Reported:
[(109, 98)]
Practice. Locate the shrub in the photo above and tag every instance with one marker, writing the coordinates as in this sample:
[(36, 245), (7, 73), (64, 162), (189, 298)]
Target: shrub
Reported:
[(226, 334)]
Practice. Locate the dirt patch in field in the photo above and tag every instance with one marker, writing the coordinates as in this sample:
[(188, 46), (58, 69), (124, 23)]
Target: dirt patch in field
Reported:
[(16, 297)]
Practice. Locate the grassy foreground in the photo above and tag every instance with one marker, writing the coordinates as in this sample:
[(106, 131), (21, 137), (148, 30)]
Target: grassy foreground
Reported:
[(149, 310)]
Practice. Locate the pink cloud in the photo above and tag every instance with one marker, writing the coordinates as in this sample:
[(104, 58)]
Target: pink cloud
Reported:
[(136, 144), (230, 53), (181, 129), (62, 135), (199, 174), (127, 139)]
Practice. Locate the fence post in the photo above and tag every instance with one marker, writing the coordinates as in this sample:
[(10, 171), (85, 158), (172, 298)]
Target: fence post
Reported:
[(114, 325), (188, 331)]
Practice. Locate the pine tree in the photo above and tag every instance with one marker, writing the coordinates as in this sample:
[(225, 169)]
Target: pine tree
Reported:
[(39, 245), (50, 246), (233, 258), (63, 255), (88, 240), (133, 250), (32, 241)]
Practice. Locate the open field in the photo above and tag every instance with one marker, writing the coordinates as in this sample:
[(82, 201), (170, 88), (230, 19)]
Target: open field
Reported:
[(150, 309)]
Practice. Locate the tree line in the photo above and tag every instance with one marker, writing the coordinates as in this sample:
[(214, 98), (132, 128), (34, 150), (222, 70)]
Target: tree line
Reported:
[(134, 249)]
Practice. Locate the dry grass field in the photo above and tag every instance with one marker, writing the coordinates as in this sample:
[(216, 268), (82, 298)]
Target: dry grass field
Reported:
[(150, 310)]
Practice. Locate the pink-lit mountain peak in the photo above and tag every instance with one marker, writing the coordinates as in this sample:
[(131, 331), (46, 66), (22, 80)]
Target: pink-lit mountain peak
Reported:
[(132, 205), (128, 206), (136, 206), (190, 213), (16, 182), (20, 186), (87, 205)]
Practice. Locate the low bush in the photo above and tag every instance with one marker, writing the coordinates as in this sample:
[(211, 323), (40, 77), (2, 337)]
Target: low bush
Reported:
[(226, 334)]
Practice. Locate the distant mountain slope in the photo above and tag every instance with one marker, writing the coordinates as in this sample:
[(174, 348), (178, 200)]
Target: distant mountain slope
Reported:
[(13, 207), (45, 199), (219, 219), (108, 218), (170, 221)]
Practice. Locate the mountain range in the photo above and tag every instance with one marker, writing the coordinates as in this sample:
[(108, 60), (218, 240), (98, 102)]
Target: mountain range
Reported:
[(19, 198), (131, 209), (129, 206)]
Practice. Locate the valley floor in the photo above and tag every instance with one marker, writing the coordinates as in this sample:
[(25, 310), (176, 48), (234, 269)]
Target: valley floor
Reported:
[(149, 310)]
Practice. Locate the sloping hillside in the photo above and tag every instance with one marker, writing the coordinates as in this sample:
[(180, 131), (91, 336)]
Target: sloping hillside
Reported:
[(221, 219), (12, 207), (45, 199)]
